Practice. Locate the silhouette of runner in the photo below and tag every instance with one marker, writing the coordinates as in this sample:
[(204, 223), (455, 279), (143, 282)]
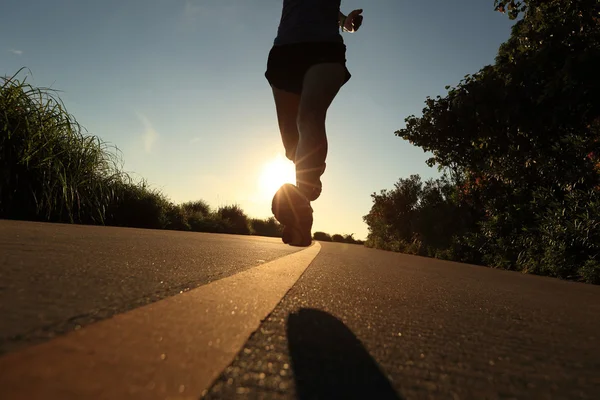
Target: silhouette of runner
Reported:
[(306, 68)]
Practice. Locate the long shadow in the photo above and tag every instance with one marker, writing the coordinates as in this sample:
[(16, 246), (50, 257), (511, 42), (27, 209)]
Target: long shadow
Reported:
[(329, 362)]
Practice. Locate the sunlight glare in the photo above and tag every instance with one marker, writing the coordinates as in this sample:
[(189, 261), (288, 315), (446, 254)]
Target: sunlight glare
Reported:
[(275, 173)]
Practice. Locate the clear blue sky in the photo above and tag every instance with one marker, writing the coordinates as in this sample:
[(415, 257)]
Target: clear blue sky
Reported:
[(179, 87)]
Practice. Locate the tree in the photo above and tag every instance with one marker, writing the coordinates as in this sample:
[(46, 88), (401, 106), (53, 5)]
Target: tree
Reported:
[(419, 217), (236, 218), (349, 238), (198, 206), (338, 238), (266, 227), (322, 236), (524, 134)]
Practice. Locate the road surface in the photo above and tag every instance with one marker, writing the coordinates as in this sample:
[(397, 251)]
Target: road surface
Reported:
[(330, 321), (56, 277)]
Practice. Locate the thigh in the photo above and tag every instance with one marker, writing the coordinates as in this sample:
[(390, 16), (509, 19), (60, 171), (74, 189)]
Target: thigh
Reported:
[(286, 105), (322, 83)]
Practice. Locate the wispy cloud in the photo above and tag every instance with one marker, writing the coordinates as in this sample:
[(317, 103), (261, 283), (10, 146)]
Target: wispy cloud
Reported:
[(192, 9), (194, 140), (192, 12), (197, 12), (17, 52), (150, 135)]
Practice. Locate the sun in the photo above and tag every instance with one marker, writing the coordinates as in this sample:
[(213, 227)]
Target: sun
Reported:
[(275, 173)]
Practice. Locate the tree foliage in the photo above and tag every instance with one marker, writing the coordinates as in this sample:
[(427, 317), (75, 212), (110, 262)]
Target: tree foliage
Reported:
[(322, 236), (339, 238), (266, 227), (523, 136), (236, 218), (424, 218)]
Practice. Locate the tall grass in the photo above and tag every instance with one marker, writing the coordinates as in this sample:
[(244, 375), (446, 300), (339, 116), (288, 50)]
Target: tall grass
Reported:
[(51, 170)]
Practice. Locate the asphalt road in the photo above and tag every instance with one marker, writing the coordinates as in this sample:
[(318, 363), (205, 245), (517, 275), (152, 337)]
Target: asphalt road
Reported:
[(55, 278), (367, 324), (359, 323)]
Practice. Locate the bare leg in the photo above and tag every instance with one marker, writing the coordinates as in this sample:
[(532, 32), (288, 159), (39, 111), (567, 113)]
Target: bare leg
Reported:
[(286, 105), (322, 82), (295, 217)]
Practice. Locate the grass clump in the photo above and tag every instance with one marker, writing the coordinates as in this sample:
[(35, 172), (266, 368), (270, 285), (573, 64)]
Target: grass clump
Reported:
[(137, 205), (51, 170)]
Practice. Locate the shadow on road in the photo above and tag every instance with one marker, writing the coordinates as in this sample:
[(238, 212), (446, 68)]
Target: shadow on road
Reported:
[(329, 362)]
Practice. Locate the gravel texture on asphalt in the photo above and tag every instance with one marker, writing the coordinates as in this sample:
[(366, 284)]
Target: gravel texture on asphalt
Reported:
[(56, 277), (367, 324)]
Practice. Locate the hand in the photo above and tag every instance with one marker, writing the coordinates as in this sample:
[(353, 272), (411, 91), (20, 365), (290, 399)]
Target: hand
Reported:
[(353, 21)]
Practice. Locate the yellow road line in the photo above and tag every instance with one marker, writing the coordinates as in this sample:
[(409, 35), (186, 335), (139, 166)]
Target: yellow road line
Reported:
[(172, 349)]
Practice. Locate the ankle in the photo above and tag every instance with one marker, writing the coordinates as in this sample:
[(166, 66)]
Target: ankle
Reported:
[(309, 181), (310, 191)]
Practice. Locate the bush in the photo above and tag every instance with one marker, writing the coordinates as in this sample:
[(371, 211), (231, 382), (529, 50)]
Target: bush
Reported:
[(135, 205), (522, 138), (177, 218), (590, 272), (325, 237), (322, 236), (198, 206), (236, 219), (211, 223), (337, 238), (266, 227)]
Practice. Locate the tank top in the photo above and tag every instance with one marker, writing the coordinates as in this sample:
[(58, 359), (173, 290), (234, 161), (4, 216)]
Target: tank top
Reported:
[(309, 21)]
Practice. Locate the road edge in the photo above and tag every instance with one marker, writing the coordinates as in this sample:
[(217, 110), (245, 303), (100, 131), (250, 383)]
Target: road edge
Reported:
[(171, 349)]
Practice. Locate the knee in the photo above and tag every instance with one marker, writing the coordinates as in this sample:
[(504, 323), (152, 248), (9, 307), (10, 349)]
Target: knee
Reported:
[(311, 121), (290, 153), (289, 131), (289, 136)]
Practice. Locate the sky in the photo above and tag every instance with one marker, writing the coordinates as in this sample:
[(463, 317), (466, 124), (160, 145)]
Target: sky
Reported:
[(178, 86)]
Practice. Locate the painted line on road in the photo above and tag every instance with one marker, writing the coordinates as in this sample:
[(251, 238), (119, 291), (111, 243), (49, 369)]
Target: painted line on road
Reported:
[(172, 349)]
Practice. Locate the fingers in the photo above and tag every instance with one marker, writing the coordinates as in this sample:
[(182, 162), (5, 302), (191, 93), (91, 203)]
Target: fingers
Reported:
[(355, 19), (348, 24), (357, 22)]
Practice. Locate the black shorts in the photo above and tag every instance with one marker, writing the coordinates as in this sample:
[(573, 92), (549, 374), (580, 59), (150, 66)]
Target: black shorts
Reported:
[(288, 63)]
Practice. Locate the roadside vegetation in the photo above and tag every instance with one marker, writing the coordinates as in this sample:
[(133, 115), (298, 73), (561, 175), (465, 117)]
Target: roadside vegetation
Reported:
[(518, 145), (52, 170), (337, 238)]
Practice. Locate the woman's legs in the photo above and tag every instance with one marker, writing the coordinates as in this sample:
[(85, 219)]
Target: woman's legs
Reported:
[(305, 78), (286, 105), (321, 84)]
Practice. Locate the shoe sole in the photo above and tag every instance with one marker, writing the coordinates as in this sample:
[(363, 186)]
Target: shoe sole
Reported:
[(293, 211)]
